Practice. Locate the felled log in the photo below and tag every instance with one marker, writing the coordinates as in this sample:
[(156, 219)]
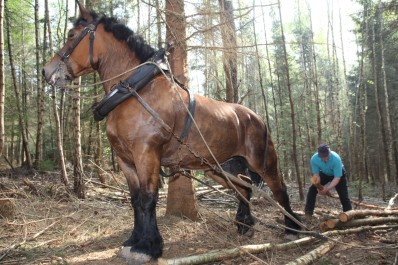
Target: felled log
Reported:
[(218, 255), (356, 214), (332, 223), (315, 254), (7, 208), (366, 221)]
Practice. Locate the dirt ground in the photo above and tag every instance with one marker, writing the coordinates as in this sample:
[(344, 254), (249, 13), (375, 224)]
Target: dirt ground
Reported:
[(52, 227)]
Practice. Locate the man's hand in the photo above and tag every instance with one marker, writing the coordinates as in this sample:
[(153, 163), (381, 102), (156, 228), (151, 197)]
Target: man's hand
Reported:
[(324, 192)]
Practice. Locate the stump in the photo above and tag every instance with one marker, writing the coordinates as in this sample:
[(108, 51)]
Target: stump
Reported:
[(7, 208)]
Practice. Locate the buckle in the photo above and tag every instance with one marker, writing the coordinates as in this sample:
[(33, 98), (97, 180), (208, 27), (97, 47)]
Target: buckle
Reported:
[(91, 27)]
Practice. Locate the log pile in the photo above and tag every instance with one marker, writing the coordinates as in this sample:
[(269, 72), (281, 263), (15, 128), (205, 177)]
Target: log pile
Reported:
[(356, 218)]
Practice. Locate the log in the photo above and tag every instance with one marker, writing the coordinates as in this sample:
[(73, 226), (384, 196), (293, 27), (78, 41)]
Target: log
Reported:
[(7, 208), (218, 255), (355, 214), (315, 254), (369, 221), (332, 223)]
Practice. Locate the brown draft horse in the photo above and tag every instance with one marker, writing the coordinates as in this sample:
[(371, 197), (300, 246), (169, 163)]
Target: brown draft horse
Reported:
[(237, 137)]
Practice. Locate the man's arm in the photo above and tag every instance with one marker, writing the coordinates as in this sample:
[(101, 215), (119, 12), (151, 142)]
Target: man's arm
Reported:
[(332, 184)]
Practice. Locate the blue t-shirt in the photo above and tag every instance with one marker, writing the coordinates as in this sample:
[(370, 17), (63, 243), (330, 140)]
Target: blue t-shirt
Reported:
[(332, 167)]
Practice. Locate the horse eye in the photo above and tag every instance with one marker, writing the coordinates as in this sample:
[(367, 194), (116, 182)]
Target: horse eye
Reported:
[(71, 34)]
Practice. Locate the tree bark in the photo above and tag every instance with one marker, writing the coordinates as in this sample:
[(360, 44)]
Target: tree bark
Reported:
[(181, 196), (40, 92), (22, 126), (2, 91), (389, 138), (292, 111), (230, 58), (61, 157)]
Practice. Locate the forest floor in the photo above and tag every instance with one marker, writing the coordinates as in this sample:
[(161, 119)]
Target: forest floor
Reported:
[(52, 227)]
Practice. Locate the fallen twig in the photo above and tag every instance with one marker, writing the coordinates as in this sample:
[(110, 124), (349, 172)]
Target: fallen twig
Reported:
[(391, 202)]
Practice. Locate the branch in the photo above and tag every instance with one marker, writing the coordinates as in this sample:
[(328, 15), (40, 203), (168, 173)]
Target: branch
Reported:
[(218, 255), (315, 254), (391, 202)]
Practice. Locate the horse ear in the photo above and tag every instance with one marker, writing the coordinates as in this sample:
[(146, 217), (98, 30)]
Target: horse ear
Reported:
[(84, 13)]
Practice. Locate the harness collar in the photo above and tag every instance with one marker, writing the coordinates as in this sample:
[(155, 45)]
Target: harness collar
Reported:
[(135, 82)]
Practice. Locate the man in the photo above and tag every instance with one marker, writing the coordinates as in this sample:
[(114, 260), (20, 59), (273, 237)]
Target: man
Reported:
[(328, 168)]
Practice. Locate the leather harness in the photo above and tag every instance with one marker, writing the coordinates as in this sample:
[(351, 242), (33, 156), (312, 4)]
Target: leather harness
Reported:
[(136, 81), (130, 86)]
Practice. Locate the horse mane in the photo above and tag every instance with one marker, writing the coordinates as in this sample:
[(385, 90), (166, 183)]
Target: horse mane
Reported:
[(136, 43)]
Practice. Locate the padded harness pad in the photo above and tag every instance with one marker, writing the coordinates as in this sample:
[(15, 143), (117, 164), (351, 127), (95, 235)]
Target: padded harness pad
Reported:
[(139, 79)]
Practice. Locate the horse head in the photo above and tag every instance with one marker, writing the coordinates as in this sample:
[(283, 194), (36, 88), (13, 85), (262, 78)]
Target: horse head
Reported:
[(77, 57)]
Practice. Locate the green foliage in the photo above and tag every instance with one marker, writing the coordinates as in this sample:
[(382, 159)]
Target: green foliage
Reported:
[(47, 165)]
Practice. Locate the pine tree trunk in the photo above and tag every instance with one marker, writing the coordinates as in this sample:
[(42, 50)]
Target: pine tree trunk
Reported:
[(40, 92), (61, 157), (2, 77), (292, 113), (25, 144), (387, 145), (181, 195), (230, 61)]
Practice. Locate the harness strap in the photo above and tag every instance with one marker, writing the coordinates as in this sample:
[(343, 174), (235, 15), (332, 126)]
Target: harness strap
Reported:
[(191, 110), (130, 86), (92, 36), (89, 28)]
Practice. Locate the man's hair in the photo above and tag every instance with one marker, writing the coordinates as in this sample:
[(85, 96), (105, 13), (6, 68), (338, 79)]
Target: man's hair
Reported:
[(323, 150)]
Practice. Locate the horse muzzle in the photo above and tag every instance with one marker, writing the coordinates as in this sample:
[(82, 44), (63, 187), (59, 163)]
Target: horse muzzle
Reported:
[(55, 74)]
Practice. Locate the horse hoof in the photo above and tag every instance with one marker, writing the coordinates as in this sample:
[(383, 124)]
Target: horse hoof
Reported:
[(249, 233), (291, 237), (134, 258)]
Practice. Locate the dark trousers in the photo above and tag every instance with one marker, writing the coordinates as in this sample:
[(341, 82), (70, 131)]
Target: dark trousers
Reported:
[(341, 188)]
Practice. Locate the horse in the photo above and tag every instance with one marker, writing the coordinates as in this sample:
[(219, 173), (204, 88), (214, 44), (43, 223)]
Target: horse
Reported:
[(144, 130)]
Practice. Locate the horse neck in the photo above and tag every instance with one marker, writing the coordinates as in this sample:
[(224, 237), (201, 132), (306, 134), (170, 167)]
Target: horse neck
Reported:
[(115, 60)]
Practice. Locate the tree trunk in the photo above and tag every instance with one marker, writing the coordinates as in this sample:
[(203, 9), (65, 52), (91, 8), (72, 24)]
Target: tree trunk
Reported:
[(292, 112), (389, 138), (230, 60), (78, 181), (22, 126), (260, 74), (61, 157), (2, 94), (40, 92), (181, 196)]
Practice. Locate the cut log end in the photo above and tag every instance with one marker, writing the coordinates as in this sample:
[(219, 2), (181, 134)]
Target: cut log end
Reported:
[(7, 208)]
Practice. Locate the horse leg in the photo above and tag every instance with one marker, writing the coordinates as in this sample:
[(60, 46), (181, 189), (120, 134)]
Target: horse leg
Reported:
[(145, 242), (279, 190), (238, 168)]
